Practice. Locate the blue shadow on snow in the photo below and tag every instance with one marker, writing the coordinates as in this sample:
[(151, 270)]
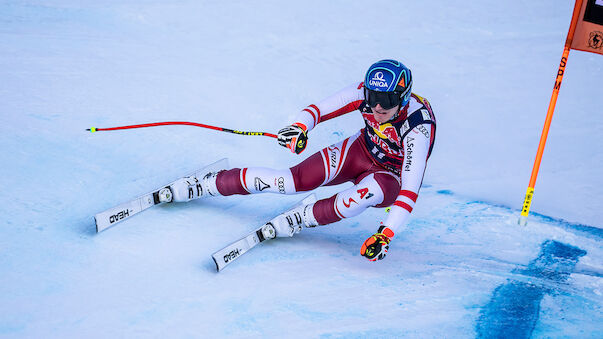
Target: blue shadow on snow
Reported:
[(513, 310)]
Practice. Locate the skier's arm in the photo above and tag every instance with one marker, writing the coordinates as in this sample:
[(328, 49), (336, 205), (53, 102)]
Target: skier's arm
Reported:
[(416, 149), (345, 101)]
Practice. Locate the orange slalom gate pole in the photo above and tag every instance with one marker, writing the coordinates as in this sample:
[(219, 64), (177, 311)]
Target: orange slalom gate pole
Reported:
[(523, 218)]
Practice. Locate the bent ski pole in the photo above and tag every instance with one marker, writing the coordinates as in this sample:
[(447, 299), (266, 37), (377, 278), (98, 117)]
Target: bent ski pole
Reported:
[(187, 123)]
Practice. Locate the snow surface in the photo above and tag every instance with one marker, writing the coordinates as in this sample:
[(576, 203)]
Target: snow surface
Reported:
[(463, 268)]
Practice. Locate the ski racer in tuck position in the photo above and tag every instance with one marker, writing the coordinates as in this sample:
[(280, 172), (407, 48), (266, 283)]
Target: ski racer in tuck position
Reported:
[(385, 160)]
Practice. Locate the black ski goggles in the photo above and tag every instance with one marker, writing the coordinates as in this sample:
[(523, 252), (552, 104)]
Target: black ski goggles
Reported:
[(387, 100)]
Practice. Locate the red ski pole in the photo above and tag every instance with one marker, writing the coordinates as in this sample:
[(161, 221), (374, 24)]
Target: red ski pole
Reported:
[(221, 129)]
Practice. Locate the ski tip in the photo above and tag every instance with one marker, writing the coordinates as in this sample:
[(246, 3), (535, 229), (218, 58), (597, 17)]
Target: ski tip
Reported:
[(91, 129), (217, 266)]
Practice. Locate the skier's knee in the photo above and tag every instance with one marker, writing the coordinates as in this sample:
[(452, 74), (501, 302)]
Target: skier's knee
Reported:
[(229, 182), (390, 187)]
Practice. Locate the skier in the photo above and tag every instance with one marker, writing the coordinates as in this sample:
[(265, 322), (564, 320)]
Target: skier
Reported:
[(385, 160)]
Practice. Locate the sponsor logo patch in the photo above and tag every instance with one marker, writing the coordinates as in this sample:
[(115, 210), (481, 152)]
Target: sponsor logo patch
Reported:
[(378, 80), (260, 185), (387, 131), (425, 114), (365, 192), (423, 130), (333, 155), (119, 216), (408, 154), (595, 40), (350, 201), (281, 185), (231, 255)]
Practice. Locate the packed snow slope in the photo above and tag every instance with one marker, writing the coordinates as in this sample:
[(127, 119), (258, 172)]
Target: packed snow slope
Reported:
[(462, 268)]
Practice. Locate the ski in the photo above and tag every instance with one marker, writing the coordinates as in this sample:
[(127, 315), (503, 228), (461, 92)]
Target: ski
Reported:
[(128, 209), (230, 253), (233, 251)]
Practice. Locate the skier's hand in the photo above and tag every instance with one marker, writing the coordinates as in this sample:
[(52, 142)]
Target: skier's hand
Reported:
[(375, 248), (294, 137)]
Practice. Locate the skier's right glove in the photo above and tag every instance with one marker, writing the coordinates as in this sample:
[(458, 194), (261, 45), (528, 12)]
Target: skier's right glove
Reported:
[(294, 137), (376, 246)]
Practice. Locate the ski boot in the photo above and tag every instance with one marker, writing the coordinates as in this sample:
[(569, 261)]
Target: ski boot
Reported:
[(292, 221), (189, 188)]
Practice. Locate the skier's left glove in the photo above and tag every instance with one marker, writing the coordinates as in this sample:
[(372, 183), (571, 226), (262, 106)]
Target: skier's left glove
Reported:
[(294, 137), (375, 248)]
